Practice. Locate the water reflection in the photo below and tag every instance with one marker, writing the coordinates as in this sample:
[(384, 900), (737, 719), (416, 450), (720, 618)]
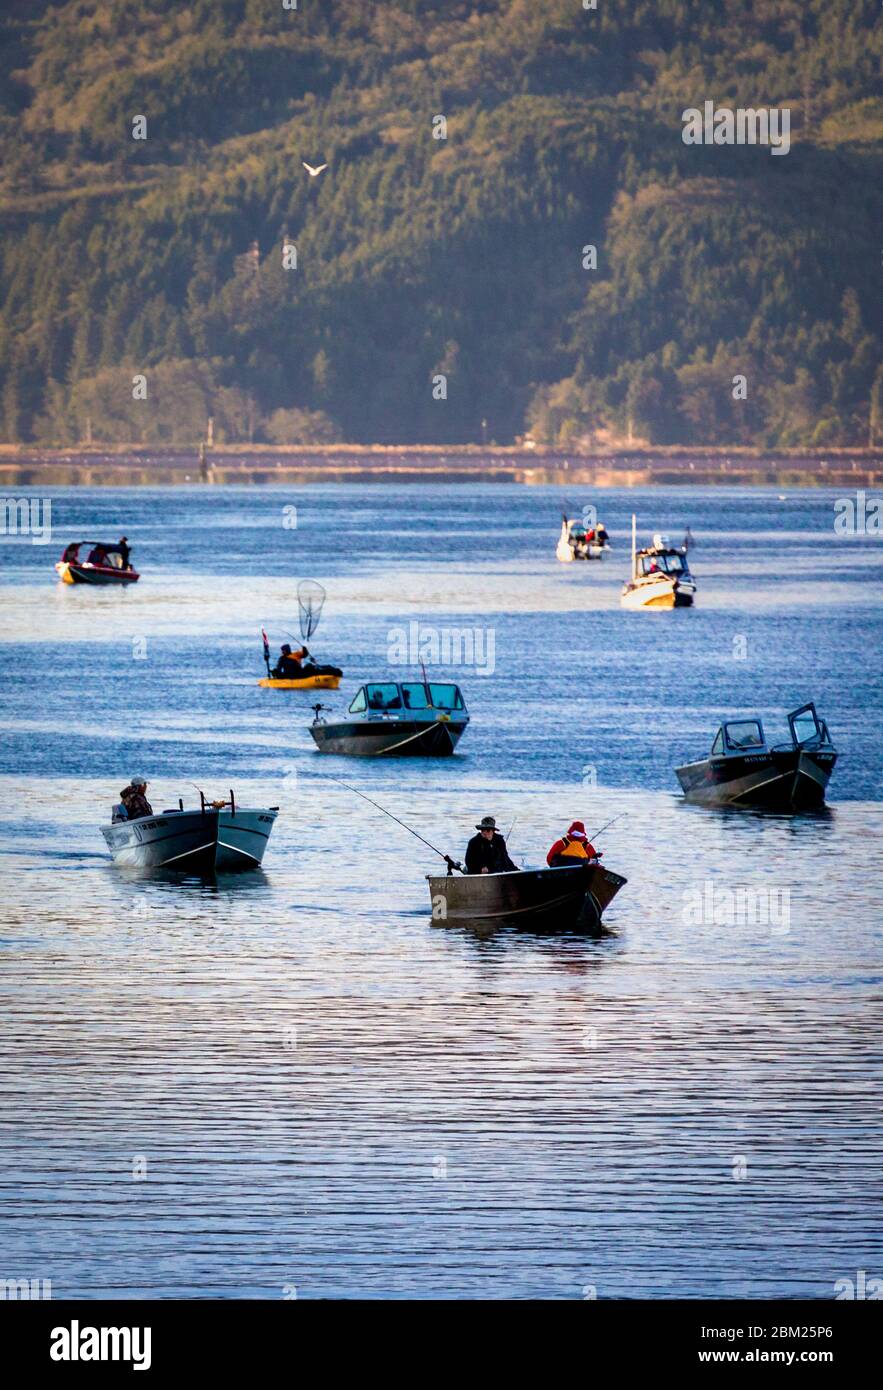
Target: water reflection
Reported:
[(329, 1089)]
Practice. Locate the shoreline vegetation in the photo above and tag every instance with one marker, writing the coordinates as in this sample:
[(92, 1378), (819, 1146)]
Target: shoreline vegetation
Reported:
[(507, 234), (149, 466)]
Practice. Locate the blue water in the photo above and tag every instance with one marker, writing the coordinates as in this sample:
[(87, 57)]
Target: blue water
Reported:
[(333, 1093)]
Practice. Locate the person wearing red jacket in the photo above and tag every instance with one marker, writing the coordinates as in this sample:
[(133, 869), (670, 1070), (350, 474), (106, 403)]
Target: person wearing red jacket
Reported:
[(572, 848)]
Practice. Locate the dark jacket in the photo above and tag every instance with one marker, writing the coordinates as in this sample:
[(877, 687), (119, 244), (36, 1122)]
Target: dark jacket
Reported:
[(488, 854)]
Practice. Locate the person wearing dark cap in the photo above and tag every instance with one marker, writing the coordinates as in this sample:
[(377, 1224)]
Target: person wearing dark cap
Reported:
[(572, 848), (292, 666), (486, 852), (134, 799), (289, 667), (124, 548)]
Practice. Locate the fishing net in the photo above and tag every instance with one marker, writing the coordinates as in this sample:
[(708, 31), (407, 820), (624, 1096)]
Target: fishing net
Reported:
[(310, 599)]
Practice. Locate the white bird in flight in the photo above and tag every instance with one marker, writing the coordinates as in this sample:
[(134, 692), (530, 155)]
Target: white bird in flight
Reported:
[(311, 171)]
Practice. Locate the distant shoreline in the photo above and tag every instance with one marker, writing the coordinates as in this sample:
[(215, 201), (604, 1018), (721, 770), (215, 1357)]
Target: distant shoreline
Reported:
[(255, 465)]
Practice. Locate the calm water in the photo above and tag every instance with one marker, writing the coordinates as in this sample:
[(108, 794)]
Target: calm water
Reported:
[(321, 1087)]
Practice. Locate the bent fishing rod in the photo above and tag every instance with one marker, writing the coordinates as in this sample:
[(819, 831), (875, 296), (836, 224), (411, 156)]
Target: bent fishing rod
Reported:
[(451, 863)]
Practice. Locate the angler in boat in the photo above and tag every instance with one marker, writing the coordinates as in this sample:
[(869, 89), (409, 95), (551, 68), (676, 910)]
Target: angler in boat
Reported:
[(661, 576), (106, 562), (133, 801), (569, 898), (395, 718), (217, 837), (569, 895), (486, 852), (297, 670), (299, 666), (574, 846), (742, 769), (580, 542)]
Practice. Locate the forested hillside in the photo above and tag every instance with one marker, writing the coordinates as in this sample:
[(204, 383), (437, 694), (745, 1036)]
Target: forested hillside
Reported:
[(417, 256)]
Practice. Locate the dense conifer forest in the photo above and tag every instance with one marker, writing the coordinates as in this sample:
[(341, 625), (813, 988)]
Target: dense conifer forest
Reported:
[(413, 257)]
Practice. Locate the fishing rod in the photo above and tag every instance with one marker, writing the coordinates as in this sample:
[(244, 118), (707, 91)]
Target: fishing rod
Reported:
[(451, 863), (595, 833)]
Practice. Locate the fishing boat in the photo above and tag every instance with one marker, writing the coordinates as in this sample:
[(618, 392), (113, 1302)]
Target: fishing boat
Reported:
[(580, 542), (106, 563), (393, 719), (661, 576), (310, 602), (216, 837), (742, 769), (564, 899)]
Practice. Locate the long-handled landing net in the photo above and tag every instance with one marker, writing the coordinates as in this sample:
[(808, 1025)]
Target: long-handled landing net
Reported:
[(310, 602)]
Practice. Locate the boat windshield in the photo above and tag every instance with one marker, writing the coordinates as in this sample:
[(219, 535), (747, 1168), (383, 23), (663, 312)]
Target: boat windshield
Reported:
[(383, 696), (359, 702), (665, 564), (718, 746), (744, 734), (805, 725), (415, 695), (446, 697)]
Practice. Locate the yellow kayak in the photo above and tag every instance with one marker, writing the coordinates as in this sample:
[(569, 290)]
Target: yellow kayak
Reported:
[(305, 683)]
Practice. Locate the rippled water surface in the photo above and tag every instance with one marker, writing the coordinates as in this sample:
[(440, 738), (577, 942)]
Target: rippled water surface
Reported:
[(296, 1079)]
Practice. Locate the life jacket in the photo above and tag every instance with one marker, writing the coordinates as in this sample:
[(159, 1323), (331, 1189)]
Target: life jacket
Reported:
[(572, 849)]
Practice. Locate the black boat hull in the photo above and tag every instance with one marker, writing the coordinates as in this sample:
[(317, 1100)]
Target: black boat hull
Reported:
[(793, 779), (565, 899), (194, 842), (372, 738)]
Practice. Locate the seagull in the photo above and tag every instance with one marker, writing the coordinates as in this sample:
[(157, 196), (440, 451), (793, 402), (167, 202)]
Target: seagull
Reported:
[(311, 171)]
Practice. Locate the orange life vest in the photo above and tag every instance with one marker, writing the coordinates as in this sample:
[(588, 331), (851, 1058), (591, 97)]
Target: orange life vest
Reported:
[(572, 849)]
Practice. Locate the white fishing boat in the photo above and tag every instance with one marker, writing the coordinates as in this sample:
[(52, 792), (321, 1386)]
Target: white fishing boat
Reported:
[(580, 542), (661, 576)]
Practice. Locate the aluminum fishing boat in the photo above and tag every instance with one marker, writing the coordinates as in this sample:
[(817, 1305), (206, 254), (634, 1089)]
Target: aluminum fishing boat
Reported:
[(395, 719), (744, 770), (216, 837), (563, 899)]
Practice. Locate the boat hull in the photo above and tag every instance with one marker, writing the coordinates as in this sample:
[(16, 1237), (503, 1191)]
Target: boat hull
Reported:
[(563, 899), (193, 842), (307, 683), (566, 554), (793, 779), (657, 594), (373, 738), (94, 574)]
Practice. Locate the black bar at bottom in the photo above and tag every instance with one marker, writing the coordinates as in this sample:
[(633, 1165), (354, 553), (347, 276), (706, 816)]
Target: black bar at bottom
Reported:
[(233, 1337)]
